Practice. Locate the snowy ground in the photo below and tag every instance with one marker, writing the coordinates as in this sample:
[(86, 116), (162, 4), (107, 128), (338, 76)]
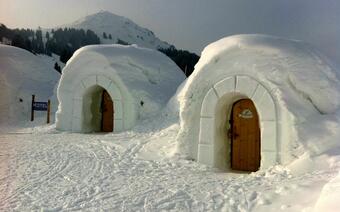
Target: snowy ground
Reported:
[(42, 169)]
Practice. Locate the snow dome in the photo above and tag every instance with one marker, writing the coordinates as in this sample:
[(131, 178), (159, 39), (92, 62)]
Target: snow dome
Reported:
[(21, 75), (250, 100), (109, 87)]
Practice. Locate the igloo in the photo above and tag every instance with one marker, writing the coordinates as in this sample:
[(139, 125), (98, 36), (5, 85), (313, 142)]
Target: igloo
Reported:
[(110, 87), (249, 95)]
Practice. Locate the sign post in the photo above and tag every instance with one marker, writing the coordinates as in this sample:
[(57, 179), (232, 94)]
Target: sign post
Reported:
[(48, 111), (40, 106), (32, 110)]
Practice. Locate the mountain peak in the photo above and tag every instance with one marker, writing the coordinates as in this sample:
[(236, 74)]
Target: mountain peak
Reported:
[(120, 28)]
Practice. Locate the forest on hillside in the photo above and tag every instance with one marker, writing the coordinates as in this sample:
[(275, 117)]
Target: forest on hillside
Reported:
[(64, 42)]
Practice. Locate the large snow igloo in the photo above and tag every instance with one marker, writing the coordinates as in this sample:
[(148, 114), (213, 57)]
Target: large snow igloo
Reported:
[(249, 95), (109, 87)]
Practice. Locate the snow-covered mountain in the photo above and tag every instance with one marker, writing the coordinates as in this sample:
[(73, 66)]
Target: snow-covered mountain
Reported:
[(120, 28)]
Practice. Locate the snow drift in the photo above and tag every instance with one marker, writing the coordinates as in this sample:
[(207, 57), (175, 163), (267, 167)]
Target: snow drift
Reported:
[(293, 87), (329, 198), (21, 75), (140, 82)]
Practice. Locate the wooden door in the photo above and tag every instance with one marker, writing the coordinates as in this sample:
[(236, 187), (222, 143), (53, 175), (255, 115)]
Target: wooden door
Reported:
[(107, 112), (245, 144)]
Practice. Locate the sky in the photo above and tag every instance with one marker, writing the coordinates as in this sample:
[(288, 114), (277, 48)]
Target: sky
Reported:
[(192, 24)]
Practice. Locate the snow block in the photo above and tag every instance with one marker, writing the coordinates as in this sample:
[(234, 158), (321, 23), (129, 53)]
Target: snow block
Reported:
[(266, 108), (118, 125), (114, 91), (225, 86), (268, 136), (207, 131), (258, 94), (89, 81), (246, 85), (206, 154), (209, 102), (118, 109), (268, 159)]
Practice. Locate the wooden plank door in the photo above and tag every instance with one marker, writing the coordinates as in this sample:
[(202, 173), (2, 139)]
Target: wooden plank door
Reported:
[(245, 145), (107, 112)]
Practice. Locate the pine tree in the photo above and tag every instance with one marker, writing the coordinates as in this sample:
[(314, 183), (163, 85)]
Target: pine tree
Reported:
[(47, 35), (110, 36), (104, 35), (57, 67), (18, 41), (39, 42)]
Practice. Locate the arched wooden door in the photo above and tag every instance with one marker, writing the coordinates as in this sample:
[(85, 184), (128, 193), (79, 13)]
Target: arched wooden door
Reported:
[(245, 136), (107, 112)]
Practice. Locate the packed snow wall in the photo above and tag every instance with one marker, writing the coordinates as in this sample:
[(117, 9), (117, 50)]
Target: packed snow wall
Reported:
[(139, 81), (289, 82)]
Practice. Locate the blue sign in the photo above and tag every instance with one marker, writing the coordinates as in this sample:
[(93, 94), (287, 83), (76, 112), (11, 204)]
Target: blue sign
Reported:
[(40, 106)]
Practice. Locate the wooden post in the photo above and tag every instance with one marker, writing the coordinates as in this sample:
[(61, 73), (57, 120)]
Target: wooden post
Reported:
[(32, 111), (48, 111)]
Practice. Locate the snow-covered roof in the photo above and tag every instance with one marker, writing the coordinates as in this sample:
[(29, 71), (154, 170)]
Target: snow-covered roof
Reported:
[(284, 63)]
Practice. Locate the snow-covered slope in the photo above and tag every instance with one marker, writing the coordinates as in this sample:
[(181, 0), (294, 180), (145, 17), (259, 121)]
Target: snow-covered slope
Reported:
[(21, 75), (120, 28)]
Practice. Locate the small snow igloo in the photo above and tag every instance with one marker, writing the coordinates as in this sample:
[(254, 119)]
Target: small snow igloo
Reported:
[(247, 102), (109, 87)]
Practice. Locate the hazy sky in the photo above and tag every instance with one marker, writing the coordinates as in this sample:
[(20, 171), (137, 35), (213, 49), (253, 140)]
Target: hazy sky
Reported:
[(192, 24)]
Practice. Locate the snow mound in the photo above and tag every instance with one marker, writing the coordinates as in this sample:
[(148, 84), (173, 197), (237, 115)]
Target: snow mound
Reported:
[(329, 198), (299, 82), (23, 74), (140, 81)]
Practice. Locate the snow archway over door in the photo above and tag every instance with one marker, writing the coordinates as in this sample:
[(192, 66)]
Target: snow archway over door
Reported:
[(80, 99), (74, 116), (213, 147)]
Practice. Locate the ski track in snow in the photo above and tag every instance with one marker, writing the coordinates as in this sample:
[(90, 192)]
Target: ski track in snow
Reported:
[(106, 172)]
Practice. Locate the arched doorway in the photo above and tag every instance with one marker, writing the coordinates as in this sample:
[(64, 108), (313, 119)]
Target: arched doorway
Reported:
[(245, 136), (107, 112), (214, 146), (98, 110)]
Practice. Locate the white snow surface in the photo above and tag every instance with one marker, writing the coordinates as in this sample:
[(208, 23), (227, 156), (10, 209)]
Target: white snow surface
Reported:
[(329, 199), (21, 75), (42, 169), (120, 28), (305, 86)]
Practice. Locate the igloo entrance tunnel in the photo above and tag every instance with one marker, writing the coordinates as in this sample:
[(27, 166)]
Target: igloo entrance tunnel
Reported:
[(110, 87), (244, 104)]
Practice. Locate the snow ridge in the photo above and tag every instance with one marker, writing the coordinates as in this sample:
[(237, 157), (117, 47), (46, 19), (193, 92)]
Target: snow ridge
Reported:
[(120, 28)]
